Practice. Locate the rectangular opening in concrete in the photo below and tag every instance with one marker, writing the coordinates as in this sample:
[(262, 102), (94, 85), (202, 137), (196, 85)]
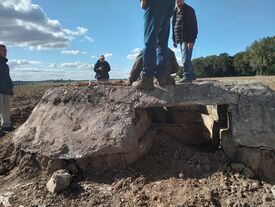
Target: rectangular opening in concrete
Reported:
[(191, 124)]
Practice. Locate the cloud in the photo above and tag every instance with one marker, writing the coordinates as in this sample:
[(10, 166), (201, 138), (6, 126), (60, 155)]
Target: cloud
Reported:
[(93, 56), (25, 24), (21, 63), (88, 38), (79, 31), (53, 65), (133, 54), (78, 65), (73, 52), (230, 23), (108, 55)]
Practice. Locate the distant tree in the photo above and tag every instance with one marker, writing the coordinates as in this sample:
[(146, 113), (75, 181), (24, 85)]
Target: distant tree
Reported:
[(201, 67), (211, 68), (224, 65), (214, 66), (242, 66), (258, 59), (262, 56)]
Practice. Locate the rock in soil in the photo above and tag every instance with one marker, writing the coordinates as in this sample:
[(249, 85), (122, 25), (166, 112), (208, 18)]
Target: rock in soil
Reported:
[(59, 181)]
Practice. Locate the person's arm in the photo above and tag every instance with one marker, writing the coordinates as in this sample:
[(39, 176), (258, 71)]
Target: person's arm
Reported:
[(173, 26), (194, 27), (10, 80), (106, 67), (96, 68)]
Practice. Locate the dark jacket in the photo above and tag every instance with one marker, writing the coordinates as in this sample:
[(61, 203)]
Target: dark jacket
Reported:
[(190, 25), (6, 84), (102, 70)]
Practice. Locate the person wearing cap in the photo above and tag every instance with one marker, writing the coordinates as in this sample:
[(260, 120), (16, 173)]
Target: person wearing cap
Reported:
[(156, 34), (6, 91), (102, 69), (185, 31)]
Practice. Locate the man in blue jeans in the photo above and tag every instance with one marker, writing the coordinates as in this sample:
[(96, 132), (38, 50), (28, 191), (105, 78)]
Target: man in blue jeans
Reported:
[(185, 31), (156, 33)]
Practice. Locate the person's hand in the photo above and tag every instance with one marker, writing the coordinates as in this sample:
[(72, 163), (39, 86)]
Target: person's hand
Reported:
[(190, 45), (175, 45), (143, 3)]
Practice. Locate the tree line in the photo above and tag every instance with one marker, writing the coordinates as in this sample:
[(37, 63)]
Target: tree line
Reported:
[(258, 59)]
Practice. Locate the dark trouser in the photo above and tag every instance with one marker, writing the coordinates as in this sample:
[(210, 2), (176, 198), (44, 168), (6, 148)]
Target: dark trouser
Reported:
[(188, 73), (156, 33)]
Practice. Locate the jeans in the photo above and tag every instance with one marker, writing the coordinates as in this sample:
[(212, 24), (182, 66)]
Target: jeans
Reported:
[(5, 110), (188, 73), (156, 33)]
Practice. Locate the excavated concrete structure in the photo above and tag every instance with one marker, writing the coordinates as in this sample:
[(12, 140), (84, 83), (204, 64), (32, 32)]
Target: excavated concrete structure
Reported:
[(105, 125)]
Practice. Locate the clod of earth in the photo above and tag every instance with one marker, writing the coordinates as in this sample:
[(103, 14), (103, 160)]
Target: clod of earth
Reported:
[(59, 181), (105, 126)]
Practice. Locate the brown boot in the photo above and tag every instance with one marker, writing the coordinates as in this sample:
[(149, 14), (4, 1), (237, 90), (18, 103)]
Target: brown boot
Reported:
[(145, 83)]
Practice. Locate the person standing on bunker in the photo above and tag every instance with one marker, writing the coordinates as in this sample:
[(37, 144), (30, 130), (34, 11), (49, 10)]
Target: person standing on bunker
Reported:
[(6, 91), (185, 31), (156, 34)]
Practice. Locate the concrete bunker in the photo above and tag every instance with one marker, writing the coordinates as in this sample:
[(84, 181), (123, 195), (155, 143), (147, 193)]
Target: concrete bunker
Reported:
[(189, 124), (105, 126)]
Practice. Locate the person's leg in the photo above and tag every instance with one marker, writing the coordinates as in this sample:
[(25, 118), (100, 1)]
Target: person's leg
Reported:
[(167, 8), (151, 29), (6, 121), (1, 108), (188, 73), (162, 49)]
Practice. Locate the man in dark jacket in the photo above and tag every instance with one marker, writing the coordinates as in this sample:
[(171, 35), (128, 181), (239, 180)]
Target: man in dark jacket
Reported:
[(6, 90), (156, 34), (172, 67), (185, 31), (102, 69)]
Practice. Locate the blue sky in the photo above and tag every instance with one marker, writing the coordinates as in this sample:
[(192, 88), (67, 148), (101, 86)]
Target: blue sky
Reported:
[(56, 39)]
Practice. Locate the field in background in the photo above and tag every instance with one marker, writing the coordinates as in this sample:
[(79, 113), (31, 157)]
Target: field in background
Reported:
[(266, 80), (21, 86)]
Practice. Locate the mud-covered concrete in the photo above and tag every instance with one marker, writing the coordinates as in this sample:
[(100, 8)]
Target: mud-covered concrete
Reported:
[(109, 124)]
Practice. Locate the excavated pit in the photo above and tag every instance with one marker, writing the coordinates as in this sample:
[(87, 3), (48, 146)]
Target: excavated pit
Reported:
[(86, 128), (191, 124)]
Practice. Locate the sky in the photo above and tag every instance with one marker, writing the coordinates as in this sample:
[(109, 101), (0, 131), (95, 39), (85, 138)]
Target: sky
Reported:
[(62, 39)]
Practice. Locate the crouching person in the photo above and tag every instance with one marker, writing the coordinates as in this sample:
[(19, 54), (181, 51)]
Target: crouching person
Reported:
[(6, 91), (172, 67), (102, 69)]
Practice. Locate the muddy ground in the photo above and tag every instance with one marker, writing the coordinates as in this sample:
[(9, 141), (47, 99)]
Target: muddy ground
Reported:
[(172, 174)]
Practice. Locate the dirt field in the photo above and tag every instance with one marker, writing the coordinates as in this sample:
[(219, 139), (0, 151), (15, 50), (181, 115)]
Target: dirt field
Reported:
[(172, 174), (266, 80)]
